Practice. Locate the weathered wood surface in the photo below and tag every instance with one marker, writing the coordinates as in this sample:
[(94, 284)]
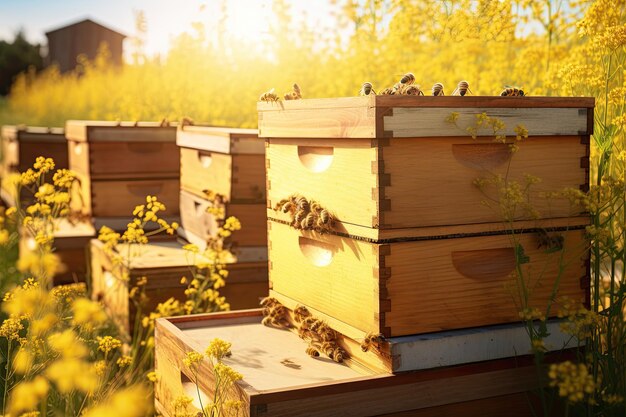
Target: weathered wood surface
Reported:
[(104, 131), (220, 139), (411, 287), (281, 380)]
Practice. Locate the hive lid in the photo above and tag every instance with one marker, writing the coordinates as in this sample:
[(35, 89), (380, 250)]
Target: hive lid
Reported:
[(220, 139), (106, 131), (419, 116)]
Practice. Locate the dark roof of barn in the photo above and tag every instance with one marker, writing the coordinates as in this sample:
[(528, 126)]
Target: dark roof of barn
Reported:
[(83, 21)]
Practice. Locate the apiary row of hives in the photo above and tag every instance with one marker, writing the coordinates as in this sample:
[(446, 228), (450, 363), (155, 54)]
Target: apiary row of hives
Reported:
[(378, 234), (117, 165)]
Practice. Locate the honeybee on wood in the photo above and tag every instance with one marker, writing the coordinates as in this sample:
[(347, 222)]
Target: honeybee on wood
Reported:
[(462, 89), (296, 94), (438, 89), (410, 90), (186, 121), (370, 340), (269, 96), (312, 351), (407, 78), (303, 204), (297, 218), (268, 301), (552, 243), (510, 91), (300, 313), (367, 89), (388, 92), (333, 351), (308, 221)]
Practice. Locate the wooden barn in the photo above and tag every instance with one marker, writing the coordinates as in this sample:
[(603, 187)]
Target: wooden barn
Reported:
[(65, 44)]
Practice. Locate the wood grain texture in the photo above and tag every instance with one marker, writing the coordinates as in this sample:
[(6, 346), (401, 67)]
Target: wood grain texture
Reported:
[(105, 131), (164, 264), (350, 281), (355, 117), (337, 175), (119, 198), (423, 182), (335, 392), (197, 221), (133, 159), (220, 139), (239, 178), (407, 122)]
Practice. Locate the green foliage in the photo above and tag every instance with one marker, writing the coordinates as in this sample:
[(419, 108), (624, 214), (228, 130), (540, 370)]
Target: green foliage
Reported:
[(16, 57)]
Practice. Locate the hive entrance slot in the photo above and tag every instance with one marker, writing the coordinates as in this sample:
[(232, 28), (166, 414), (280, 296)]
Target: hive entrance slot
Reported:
[(485, 263), (78, 149), (318, 253), (192, 391), (205, 158), (316, 158), (481, 156)]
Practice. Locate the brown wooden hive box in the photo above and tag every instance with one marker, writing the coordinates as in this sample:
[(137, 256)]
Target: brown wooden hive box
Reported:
[(118, 164), (164, 264), (71, 244), (226, 161), (279, 379), (21, 145), (383, 163), (199, 226)]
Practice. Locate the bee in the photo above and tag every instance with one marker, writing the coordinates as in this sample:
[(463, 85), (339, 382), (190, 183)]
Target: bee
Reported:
[(367, 89), (334, 352), (312, 351), (269, 96), (288, 207), (550, 243), (462, 89), (512, 92), (300, 313), (186, 121), (407, 78), (411, 90), (296, 94), (438, 89), (268, 301), (325, 217), (388, 92), (308, 221), (303, 204), (299, 216), (370, 340), (164, 123)]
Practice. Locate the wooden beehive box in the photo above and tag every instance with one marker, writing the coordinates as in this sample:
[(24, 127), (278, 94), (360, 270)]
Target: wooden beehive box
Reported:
[(414, 250), (226, 162), (21, 145), (281, 380), (118, 164), (164, 264), (383, 163), (71, 244)]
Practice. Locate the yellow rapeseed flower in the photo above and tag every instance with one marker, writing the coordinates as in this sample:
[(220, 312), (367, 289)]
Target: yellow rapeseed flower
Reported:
[(127, 402), (87, 313), (69, 374), (192, 358), (218, 349), (107, 343), (26, 396)]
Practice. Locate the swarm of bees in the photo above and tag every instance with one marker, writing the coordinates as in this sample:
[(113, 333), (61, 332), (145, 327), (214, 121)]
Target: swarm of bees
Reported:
[(404, 87), (296, 94), (512, 92), (371, 340), (306, 215), (275, 314), (321, 338)]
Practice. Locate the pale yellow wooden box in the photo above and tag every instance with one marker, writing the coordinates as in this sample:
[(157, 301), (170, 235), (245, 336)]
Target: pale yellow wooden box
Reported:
[(226, 161), (164, 264), (279, 379), (386, 163), (420, 286)]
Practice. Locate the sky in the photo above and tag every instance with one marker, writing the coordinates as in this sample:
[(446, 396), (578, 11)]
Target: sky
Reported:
[(165, 18)]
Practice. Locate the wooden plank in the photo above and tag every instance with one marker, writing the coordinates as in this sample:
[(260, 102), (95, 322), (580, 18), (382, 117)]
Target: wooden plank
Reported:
[(134, 159), (432, 122), (485, 101), (196, 220), (102, 131), (337, 175), (110, 198), (222, 140)]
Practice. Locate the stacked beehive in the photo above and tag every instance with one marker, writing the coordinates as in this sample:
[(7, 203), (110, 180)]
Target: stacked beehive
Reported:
[(222, 168), (21, 145), (413, 249), (118, 165)]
